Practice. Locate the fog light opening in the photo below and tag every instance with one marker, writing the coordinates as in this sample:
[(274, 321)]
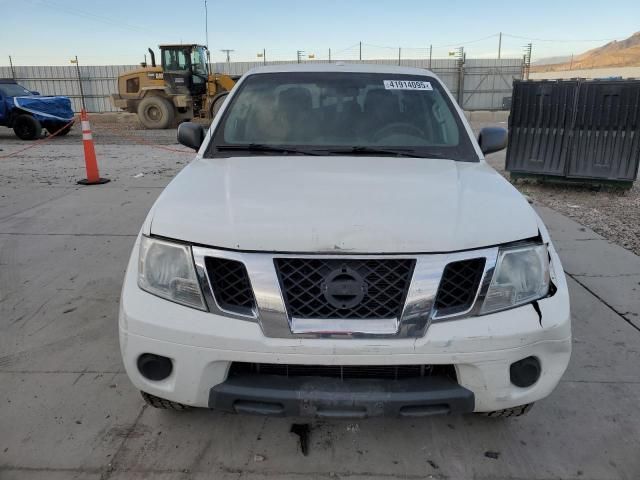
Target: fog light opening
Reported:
[(525, 372), (154, 367)]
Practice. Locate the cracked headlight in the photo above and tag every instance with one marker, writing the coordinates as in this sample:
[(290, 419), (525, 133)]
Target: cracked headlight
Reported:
[(521, 276), (166, 269)]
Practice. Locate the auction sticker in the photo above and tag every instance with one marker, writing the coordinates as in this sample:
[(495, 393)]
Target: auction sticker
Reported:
[(406, 85)]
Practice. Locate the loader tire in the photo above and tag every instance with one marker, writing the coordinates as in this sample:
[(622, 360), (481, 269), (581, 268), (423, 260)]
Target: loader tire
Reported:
[(156, 112), (157, 402), (216, 104), (26, 127)]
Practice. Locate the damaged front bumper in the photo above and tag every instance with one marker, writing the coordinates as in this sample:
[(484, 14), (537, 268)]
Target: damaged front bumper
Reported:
[(203, 347), (340, 398)]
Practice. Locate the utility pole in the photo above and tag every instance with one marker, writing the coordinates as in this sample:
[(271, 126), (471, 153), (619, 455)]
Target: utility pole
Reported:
[(399, 55), (13, 73), (228, 51), (264, 56), (360, 56), (499, 45), (329, 55), (206, 25), (430, 55), (299, 54), (84, 107)]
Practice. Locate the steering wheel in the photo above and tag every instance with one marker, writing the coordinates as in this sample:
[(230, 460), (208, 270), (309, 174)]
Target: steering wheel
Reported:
[(398, 127)]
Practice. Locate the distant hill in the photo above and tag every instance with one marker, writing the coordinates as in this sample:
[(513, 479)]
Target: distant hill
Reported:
[(625, 53), (552, 60)]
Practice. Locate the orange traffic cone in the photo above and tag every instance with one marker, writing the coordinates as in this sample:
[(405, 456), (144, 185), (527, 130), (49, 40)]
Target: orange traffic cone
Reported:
[(93, 175)]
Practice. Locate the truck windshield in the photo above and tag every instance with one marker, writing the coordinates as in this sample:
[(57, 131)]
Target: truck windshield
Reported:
[(14, 90), (341, 112)]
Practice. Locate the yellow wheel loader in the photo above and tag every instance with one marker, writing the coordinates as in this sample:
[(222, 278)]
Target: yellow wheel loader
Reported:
[(179, 90)]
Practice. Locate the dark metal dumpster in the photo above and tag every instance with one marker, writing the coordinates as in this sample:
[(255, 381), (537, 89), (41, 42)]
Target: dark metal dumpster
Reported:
[(575, 129)]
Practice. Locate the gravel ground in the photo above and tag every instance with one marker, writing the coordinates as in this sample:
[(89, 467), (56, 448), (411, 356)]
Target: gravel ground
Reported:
[(613, 214)]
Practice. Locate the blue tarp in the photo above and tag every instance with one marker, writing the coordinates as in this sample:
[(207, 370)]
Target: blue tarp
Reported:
[(56, 109)]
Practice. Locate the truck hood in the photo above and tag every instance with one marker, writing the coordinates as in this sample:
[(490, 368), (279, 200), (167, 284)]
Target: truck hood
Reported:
[(341, 204)]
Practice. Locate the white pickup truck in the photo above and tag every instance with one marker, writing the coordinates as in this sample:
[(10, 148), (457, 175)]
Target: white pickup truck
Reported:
[(340, 248)]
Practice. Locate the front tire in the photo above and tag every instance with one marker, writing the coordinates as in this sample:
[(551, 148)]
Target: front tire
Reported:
[(157, 402), (156, 112), (27, 127), (510, 412), (61, 133)]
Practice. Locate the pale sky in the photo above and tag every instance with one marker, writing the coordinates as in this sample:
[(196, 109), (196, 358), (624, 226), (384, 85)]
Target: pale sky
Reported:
[(50, 32)]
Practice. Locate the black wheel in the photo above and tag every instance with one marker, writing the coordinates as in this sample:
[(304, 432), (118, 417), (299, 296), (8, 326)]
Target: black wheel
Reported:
[(510, 412), (26, 127), (61, 133), (157, 402), (216, 104), (156, 112)]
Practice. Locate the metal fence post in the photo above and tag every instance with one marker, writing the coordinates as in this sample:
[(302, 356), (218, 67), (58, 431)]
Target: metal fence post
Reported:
[(13, 72), (461, 77), (84, 107)]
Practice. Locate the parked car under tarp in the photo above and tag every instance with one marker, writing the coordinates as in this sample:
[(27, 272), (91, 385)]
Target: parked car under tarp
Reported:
[(27, 112)]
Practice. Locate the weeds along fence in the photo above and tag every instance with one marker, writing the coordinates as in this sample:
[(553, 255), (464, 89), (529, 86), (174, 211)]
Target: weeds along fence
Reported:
[(477, 84)]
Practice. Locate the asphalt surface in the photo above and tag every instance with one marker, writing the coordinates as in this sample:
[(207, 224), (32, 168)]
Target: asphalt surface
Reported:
[(67, 410)]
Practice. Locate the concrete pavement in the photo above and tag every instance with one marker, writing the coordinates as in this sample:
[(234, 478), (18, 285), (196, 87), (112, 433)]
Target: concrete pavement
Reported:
[(68, 410)]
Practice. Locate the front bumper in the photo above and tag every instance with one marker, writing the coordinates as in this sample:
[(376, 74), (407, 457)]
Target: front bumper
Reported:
[(335, 398), (202, 346)]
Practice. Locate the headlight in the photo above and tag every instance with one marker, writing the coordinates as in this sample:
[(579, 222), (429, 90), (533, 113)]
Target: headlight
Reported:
[(166, 270), (521, 276)]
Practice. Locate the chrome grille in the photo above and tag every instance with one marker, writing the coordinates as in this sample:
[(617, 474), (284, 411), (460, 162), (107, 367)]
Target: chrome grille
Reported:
[(304, 287), (459, 285), (230, 285)]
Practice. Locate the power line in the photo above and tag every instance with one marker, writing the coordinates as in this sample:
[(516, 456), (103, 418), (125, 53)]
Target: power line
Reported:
[(92, 16), (345, 49), (562, 41), (468, 42)]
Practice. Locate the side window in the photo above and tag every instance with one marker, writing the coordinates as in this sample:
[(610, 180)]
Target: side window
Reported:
[(133, 85)]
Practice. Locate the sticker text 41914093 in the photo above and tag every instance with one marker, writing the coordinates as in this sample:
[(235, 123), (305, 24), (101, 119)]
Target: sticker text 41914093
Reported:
[(407, 85)]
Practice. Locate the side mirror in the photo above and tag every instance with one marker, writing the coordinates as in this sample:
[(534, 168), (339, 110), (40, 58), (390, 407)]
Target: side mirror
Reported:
[(492, 139), (190, 135)]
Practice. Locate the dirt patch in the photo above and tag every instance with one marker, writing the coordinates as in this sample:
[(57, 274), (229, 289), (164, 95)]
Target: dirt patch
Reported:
[(614, 214)]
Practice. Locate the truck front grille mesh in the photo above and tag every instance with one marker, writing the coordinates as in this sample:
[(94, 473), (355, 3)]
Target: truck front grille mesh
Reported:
[(230, 284), (384, 283), (459, 285)]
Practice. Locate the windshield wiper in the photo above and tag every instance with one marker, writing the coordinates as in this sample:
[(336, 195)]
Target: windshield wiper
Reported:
[(259, 147), (399, 152)]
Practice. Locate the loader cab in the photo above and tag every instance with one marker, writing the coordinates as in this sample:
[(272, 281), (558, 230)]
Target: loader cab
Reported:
[(185, 68)]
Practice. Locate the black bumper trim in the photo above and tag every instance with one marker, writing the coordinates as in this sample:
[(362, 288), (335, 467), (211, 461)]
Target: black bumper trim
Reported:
[(334, 398)]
